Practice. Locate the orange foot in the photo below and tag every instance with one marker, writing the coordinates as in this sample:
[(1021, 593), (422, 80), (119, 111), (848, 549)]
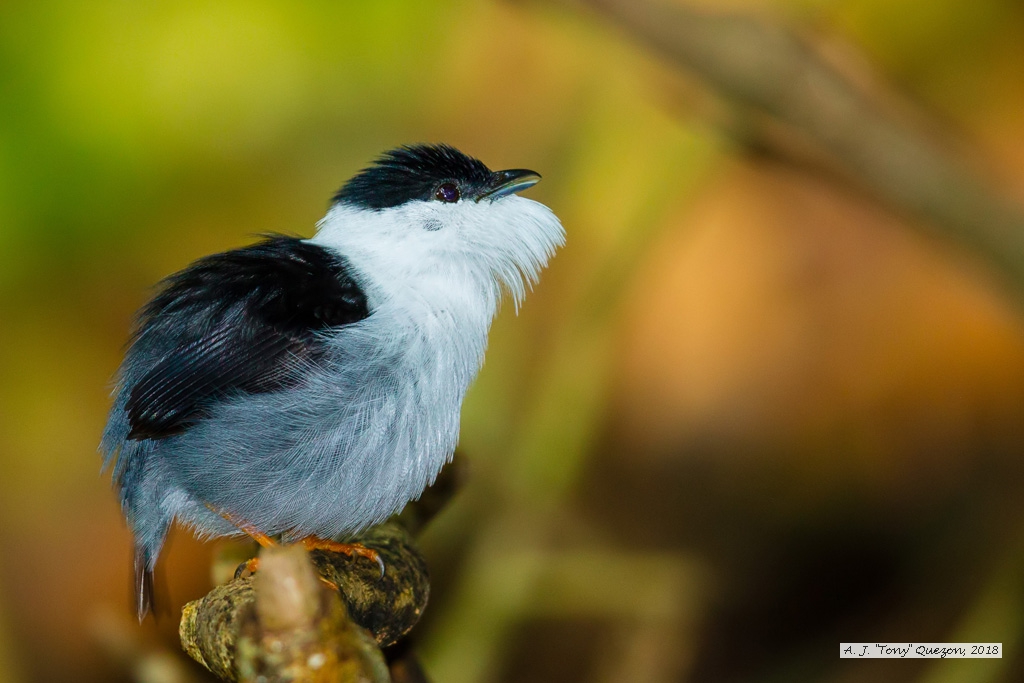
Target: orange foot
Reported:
[(309, 543), (350, 549), (253, 564), (250, 566), (250, 531)]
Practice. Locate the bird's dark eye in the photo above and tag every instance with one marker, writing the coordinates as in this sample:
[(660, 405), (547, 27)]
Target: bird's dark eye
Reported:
[(447, 192)]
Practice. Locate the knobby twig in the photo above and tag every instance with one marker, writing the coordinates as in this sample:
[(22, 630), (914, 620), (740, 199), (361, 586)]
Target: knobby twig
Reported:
[(299, 630)]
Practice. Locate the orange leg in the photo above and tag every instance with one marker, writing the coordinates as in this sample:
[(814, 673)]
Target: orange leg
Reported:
[(350, 549), (309, 543), (250, 531)]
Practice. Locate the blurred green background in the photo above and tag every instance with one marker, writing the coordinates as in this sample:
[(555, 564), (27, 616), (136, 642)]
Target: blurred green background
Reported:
[(748, 413)]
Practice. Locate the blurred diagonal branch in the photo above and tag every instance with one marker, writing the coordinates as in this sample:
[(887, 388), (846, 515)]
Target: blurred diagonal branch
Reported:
[(769, 70)]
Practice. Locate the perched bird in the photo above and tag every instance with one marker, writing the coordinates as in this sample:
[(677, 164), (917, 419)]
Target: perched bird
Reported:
[(312, 387)]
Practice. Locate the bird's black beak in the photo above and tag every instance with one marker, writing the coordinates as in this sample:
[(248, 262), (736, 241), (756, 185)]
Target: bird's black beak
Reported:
[(508, 182)]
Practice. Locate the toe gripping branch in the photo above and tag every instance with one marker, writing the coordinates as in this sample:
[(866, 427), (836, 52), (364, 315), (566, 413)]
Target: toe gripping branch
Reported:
[(251, 565), (309, 543)]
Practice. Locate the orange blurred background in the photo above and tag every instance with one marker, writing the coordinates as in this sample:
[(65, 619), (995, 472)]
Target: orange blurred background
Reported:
[(748, 413)]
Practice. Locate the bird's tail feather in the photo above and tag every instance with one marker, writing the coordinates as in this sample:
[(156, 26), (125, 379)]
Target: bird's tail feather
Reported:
[(143, 586)]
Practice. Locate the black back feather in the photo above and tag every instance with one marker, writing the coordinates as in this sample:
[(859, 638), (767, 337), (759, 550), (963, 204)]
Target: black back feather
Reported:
[(235, 322)]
